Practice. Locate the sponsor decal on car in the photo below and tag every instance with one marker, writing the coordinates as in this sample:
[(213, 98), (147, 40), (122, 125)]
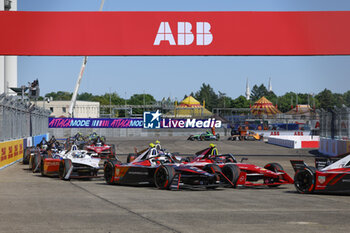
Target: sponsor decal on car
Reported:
[(321, 179)]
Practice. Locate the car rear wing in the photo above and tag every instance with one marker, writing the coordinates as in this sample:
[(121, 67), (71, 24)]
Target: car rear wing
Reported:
[(298, 164)]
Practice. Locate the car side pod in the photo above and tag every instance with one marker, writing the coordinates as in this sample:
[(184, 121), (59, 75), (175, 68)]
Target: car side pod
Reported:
[(305, 176)]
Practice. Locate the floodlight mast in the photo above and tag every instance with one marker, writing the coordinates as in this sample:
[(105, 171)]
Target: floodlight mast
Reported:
[(77, 85)]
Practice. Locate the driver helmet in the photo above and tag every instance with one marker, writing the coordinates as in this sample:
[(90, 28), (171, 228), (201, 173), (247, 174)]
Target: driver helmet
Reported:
[(214, 150), (158, 146)]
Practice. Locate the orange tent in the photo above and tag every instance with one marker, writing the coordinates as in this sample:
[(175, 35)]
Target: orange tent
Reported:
[(301, 109), (264, 107)]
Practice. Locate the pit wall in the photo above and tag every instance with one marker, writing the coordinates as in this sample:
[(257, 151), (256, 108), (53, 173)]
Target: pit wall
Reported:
[(12, 151), (334, 147)]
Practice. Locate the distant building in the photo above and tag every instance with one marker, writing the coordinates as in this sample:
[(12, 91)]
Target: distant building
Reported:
[(83, 109), (270, 85)]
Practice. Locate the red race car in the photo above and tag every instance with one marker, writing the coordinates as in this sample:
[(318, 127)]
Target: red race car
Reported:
[(99, 147), (160, 170), (333, 177), (239, 173)]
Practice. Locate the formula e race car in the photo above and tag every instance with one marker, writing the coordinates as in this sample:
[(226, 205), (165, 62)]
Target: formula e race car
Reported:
[(78, 139), (334, 177), (162, 171), (69, 164), (245, 135), (99, 148), (43, 148), (239, 173), (207, 136)]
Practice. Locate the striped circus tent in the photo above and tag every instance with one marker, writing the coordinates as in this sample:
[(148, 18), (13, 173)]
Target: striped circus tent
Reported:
[(189, 107), (264, 107)]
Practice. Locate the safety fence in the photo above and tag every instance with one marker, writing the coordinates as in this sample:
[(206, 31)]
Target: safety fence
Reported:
[(335, 132), (21, 118), (335, 123)]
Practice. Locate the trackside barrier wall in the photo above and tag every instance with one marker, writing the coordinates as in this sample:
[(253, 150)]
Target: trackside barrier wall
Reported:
[(334, 147), (10, 152), (296, 142), (37, 139), (282, 142)]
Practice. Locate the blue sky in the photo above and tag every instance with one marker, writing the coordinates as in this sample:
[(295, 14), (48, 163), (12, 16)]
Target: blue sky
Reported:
[(177, 76)]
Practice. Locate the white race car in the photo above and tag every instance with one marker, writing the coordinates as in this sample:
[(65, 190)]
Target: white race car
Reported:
[(69, 164)]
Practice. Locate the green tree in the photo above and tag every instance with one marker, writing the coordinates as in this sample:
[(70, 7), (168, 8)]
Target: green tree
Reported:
[(140, 99), (85, 96), (240, 102), (207, 94), (346, 97), (326, 99), (60, 95), (258, 92), (223, 101)]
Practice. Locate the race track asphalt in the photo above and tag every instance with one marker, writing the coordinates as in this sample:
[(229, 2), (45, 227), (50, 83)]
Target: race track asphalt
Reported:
[(31, 203)]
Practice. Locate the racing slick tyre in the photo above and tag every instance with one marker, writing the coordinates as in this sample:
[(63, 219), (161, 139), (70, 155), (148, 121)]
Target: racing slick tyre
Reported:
[(231, 174), (163, 176), (65, 169), (202, 138), (109, 170), (131, 157), (36, 162), (191, 138), (275, 167), (217, 137), (304, 180)]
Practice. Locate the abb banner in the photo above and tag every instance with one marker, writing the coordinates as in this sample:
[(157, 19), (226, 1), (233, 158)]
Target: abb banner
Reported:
[(174, 33)]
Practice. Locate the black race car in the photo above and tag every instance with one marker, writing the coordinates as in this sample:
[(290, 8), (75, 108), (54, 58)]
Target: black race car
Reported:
[(161, 171), (329, 175)]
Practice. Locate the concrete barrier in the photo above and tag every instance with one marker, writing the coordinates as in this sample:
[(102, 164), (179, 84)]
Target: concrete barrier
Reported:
[(10, 152), (334, 147), (296, 142), (281, 142)]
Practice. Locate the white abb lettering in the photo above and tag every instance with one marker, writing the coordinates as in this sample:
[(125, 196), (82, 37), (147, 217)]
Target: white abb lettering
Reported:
[(184, 34)]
